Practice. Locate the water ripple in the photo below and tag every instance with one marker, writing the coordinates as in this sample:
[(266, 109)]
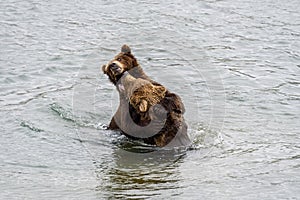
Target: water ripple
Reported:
[(54, 143)]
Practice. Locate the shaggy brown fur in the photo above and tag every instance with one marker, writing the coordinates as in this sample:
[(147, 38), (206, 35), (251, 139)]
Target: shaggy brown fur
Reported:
[(147, 110), (141, 93)]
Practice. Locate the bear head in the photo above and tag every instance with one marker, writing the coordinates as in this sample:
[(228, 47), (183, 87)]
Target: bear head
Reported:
[(141, 94), (121, 63)]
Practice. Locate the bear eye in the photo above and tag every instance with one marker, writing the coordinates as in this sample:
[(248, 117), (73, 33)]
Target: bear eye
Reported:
[(119, 59)]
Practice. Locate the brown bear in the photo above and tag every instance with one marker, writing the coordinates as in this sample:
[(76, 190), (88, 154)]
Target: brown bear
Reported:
[(147, 110)]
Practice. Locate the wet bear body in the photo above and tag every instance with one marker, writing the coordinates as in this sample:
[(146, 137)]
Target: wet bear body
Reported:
[(147, 110)]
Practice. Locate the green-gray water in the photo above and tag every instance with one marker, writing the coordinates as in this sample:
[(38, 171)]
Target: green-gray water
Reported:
[(236, 65)]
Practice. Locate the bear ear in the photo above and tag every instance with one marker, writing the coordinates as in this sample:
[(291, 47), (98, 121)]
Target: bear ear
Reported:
[(104, 69), (125, 49)]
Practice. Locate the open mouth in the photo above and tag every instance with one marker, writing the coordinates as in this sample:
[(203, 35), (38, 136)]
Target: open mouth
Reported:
[(115, 69)]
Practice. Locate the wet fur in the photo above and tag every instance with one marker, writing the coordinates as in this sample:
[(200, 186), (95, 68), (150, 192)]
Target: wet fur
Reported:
[(170, 102)]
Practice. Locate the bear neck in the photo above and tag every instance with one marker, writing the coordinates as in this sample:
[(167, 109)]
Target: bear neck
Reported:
[(138, 72)]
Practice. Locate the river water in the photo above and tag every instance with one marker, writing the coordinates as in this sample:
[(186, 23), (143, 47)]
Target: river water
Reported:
[(236, 65)]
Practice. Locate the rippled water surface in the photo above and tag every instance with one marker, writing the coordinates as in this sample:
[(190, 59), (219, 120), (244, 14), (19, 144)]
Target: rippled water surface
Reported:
[(236, 65)]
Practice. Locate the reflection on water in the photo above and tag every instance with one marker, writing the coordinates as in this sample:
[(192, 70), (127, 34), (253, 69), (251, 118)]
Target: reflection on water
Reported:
[(141, 175), (234, 63)]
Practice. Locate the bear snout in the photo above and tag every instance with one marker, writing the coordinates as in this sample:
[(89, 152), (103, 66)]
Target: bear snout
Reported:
[(115, 69)]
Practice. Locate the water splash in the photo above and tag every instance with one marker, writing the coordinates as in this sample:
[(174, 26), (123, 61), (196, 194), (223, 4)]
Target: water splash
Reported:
[(205, 138)]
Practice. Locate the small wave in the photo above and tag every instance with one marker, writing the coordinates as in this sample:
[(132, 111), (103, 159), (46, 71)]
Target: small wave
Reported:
[(67, 115), (30, 126), (134, 146), (138, 146)]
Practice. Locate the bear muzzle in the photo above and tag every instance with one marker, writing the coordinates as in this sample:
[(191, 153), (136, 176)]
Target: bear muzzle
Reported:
[(115, 69)]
